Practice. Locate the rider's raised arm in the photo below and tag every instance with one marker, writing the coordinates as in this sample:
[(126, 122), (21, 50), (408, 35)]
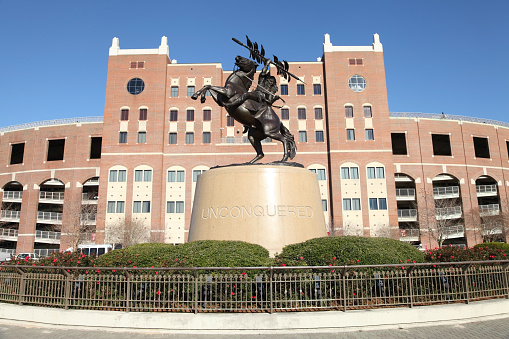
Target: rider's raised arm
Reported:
[(265, 69)]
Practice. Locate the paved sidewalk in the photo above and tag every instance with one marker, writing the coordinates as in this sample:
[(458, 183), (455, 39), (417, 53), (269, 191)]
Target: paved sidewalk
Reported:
[(493, 329)]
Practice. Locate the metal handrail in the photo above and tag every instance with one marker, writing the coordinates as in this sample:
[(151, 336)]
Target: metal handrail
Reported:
[(407, 213), (65, 121), (51, 195), (49, 216), (486, 188), (444, 211), (490, 208), (8, 232), (449, 190), (405, 192), (12, 215), (13, 195), (436, 116), (47, 235)]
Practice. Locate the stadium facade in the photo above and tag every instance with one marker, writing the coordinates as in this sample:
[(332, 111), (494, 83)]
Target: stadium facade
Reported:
[(421, 178)]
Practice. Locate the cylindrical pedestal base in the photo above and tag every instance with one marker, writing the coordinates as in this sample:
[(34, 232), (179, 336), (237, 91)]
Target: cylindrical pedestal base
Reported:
[(272, 206)]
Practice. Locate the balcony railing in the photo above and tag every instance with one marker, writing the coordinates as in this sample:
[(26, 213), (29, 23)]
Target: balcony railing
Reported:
[(51, 196), (448, 212), (89, 218), (492, 229), (446, 192), (44, 252), (8, 232), (49, 217), (13, 195), (407, 215), (456, 231), (405, 193), (409, 234), (90, 197), (486, 190), (491, 209), (11, 251), (47, 235), (7, 215)]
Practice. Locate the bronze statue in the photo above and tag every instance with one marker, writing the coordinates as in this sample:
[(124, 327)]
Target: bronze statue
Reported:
[(254, 109)]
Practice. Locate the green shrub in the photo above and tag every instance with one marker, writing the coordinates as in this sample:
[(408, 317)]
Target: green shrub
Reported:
[(456, 253), (494, 245), (349, 250)]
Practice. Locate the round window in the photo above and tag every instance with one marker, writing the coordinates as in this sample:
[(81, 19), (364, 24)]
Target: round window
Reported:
[(357, 83), (135, 86)]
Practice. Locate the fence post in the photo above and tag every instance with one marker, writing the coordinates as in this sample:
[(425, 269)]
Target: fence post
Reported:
[(410, 283), (128, 291), (344, 288), (464, 269), (271, 290), (67, 289), (196, 294), (22, 286), (506, 282)]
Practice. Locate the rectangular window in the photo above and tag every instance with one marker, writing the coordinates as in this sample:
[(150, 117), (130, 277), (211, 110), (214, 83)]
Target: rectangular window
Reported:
[(207, 115), (122, 175), (371, 173), (441, 144), (321, 174), (171, 176), (137, 207), (147, 175), (354, 173), (373, 204), (324, 205), (113, 176), (206, 137), (134, 64), (95, 147), (318, 113), (170, 207), (173, 139), (347, 204), (196, 173), (174, 91), (382, 204), (481, 147), (399, 143), (345, 173), (111, 207), (369, 134), (120, 207), (18, 151), (145, 207), (190, 115), (319, 136), (124, 114), (317, 89), (179, 207), (189, 138), (301, 113), (300, 89), (190, 91), (284, 89), (142, 137), (174, 115), (143, 114), (180, 176), (350, 134), (303, 136), (376, 173), (230, 121), (507, 146), (356, 204), (122, 138), (349, 111), (367, 112), (285, 114), (56, 150), (138, 175)]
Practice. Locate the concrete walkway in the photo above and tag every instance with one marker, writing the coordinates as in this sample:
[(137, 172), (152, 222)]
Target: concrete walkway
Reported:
[(259, 323)]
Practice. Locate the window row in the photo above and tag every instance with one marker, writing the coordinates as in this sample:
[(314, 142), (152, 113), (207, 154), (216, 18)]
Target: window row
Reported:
[(367, 112), (353, 173), (142, 137), (174, 207), (189, 138), (124, 114), (301, 89), (319, 172), (301, 113), (441, 145), (207, 115), (55, 152), (139, 176), (354, 204), (350, 134), (174, 91), (303, 136)]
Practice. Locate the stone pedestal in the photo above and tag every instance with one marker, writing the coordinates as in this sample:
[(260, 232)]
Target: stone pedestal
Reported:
[(269, 205)]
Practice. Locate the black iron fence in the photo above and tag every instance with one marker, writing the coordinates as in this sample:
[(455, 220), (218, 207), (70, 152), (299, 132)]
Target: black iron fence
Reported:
[(253, 289)]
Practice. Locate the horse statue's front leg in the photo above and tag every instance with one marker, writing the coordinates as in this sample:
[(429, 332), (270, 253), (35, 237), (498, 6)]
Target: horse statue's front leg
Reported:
[(200, 91)]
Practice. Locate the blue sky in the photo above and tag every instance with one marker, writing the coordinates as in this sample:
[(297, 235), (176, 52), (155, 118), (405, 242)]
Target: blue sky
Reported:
[(440, 56)]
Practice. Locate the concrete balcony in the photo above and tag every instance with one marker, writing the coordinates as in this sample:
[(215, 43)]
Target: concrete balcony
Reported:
[(492, 229), (12, 196), (90, 198), (407, 215), (446, 192), (491, 209), (10, 234), (49, 217), (409, 234), (486, 190), (47, 237), (51, 197), (448, 213), (452, 232), (10, 216), (405, 194)]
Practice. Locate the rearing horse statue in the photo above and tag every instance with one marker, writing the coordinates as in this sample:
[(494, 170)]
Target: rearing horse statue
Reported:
[(257, 115)]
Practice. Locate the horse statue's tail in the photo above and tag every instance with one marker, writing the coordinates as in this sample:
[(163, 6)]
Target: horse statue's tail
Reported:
[(290, 141)]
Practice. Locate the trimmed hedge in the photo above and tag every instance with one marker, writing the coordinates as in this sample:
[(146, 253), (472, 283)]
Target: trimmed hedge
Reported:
[(348, 250), (456, 253), (494, 245), (204, 253)]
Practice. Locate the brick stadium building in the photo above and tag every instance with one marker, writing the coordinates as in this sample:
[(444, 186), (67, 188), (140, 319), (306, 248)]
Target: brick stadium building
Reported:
[(416, 177)]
